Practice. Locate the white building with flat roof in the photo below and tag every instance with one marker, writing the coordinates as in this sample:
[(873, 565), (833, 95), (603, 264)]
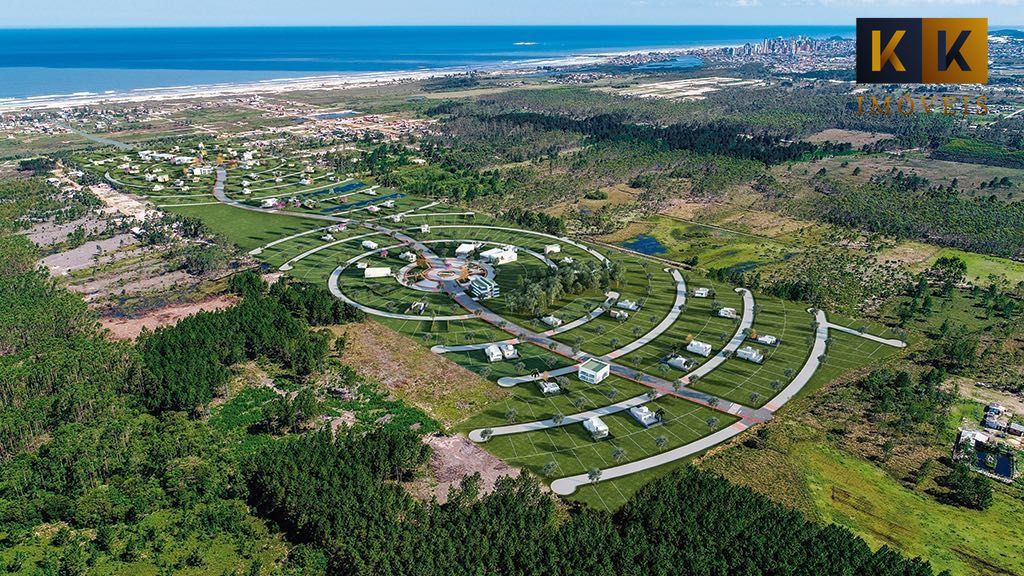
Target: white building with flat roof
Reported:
[(597, 428), (499, 256), (509, 352), (750, 353), (701, 293), (700, 348), (552, 321), (678, 362), (493, 353), (593, 371), (547, 387), (628, 305), (465, 249), (728, 313), (767, 339), (644, 416), (369, 245), (484, 288), (552, 249), (376, 272)]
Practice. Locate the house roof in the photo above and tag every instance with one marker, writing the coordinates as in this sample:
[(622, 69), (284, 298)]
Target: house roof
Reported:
[(594, 365)]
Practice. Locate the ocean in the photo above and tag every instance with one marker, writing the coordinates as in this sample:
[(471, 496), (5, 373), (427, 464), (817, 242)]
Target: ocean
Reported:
[(51, 62)]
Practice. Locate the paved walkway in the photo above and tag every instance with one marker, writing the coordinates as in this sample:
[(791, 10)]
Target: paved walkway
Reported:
[(478, 436), (666, 322), (887, 341)]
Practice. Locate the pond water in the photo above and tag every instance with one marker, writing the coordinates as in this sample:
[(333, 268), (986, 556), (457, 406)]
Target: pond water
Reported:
[(645, 244)]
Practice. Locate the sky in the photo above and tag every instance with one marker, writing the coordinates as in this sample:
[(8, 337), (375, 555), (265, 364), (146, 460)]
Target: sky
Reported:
[(145, 13)]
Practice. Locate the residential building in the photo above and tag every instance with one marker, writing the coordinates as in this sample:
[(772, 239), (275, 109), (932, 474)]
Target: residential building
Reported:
[(551, 321), (618, 314), (644, 416), (750, 353), (728, 313), (702, 293), (369, 245), (465, 250), (678, 362), (698, 347), (767, 339), (593, 371), (424, 228), (408, 257), (498, 256), (376, 272), (547, 387), (509, 352), (597, 428), (552, 249), (493, 353), (628, 305)]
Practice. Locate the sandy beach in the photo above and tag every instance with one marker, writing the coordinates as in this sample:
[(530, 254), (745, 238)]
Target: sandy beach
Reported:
[(312, 82)]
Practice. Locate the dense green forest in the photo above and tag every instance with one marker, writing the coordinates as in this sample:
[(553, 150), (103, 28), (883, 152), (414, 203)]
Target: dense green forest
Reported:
[(937, 215), (336, 498)]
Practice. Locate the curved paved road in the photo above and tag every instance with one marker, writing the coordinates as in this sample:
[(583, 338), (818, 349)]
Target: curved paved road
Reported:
[(569, 484)]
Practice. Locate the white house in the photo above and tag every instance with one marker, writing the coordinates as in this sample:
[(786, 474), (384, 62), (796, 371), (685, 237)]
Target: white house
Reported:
[(678, 362), (268, 203), (701, 293), (498, 256), (767, 339), (408, 256), (418, 307), (597, 428), (628, 305), (644, 416), (547, 387), (698, 347), (327, 237), (552, 249), (425, 228), (369, 245), (373, 209), (376, 272), (750, 353), (551, 321), (465, 249), (181, 160), (727, 313), (484, 288), (618, 314), (493, 353), (594, 371), (509, 352), (567, 260)]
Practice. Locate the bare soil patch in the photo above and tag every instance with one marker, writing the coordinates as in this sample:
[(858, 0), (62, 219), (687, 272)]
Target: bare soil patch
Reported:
[(49, 233), (453, 458), (85, 255), (856, 138), (130, 328)]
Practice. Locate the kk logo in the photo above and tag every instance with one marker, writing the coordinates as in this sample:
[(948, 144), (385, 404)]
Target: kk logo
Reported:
[(922, 50)]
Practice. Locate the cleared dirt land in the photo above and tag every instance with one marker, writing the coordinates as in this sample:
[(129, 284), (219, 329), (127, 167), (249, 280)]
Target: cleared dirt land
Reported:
[(130, 328), (453, 458)]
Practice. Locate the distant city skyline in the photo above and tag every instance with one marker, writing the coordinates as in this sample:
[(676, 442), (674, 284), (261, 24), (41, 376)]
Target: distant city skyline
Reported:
[(132, 13)]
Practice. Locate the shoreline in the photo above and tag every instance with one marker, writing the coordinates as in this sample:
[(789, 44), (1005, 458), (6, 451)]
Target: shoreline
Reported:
[(328, 81)]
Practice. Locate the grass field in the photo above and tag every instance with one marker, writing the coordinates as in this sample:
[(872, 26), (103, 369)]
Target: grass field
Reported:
[(854, 493)]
